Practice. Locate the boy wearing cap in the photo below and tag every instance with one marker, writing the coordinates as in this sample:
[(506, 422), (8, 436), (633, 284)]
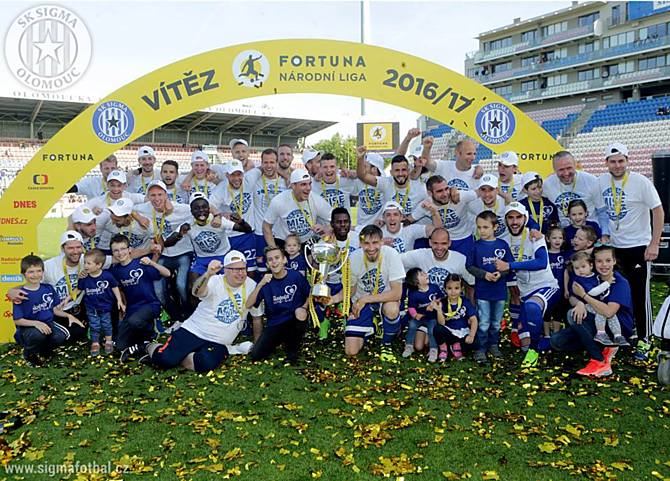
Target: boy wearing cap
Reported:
[(402, 238), (136, 278), (537, 285), (206, 338), (509, 182), (296, 211), (335, 188), (541, 209), (489, 199), (142, 176), (166, 218), (209, 242), (369, 197), (399, 187), (635, 235)]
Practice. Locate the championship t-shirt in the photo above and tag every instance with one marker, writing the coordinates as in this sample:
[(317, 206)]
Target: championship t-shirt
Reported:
[(139, 237), (237, 201), (138, 183), (461, 179), (337, 194), (288, 216), (408, 196), (456, 218), (263, 190), (370, 203), (55, 271), (375, 277), (584, 187), (403, 240), (166, 225), (104, 201), (281, 297), (210, 241), (437, 270), (92, 187), (477, 206)]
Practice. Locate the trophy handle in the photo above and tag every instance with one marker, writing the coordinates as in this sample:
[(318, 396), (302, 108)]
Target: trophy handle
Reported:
[(307, 257)]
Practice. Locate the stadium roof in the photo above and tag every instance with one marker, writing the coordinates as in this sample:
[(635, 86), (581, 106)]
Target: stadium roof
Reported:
[(25, 110)]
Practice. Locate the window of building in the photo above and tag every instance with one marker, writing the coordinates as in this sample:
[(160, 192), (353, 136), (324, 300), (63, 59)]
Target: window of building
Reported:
[(554, 28), (503, 90), (620, 39), (554, 80), (587, 47), (498, 44), (585, 20), (653, 62), (626, 67), (529, 36), (528, 85), (653, 32), (528, 61), (501, 67), (555, 54), (472, 72), (616, 15), (588, 74)]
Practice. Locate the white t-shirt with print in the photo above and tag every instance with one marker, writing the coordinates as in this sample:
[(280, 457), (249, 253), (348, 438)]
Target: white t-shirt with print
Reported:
[(530, 281), (210, 241), (287, 215), (370, 203), (456, 218), (462, 180), (403, 240), (416, 189), (585, 188), (180, 215), (437, 270), (364, 273), (337, 194)]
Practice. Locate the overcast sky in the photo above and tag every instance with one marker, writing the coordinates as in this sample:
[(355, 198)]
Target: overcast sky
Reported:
[(131, 39)]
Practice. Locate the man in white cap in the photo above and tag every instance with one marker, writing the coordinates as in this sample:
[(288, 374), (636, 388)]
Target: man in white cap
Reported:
[(567, 184), (202, 180), (509, 181), (235, 197), (239, 149), (121, 221), (311, 160), (335, 188), (537, 285), (370, 201), (489, 200), (399, 187), (141, 177), (205, 339), (85, 222), (296, 211), (95, 186), (166, 217), (460, 172), (635, 235), (400, 237), (116, 189)]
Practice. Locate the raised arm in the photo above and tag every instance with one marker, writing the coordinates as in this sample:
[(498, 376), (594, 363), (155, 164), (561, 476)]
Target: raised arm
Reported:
[(361, 167)]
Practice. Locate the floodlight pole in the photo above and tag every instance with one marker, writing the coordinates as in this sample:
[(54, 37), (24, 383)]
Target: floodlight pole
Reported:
[(362, 41)]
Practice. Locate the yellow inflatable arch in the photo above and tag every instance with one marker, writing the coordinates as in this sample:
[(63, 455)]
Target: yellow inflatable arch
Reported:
[(244, 71)]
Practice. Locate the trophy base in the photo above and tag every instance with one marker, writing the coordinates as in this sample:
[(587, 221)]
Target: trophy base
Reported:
[(321, 293)]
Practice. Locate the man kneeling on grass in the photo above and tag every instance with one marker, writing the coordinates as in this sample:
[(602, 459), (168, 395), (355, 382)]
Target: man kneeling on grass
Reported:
[(285, 294), (206, 338)]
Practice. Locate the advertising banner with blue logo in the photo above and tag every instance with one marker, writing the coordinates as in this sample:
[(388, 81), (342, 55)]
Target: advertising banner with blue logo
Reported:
[(252, 70)]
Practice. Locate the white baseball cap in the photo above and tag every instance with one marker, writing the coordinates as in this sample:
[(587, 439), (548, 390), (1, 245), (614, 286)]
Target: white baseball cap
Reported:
[(234, 142), (390, 205), (509, 158), (199, 155), (195, 196), (489, 180), (146, 151), (529, 177), (121, 207), (117, 175), (157, 183), (71, 235), (300, 175), (233, 257), (616, 148), (235, 166), (376, 160), (82, 214), (516, 207), (309, 155)]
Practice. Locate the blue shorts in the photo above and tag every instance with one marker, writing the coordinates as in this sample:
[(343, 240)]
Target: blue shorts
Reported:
[(550, 295), (260, 249), (246, 244), (364, 325), (464, 246), (199, 264)]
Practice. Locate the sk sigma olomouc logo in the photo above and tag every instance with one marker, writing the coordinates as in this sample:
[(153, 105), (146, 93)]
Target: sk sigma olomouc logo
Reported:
[(48, 48), (495, 123), (251, 68), (113, 122)]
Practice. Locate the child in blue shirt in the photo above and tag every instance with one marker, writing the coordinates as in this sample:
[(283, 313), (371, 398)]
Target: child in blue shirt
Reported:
[(578, 214), (456, 320), (101, 293), (558, 257), (490, 285), (296, 258), (422, 309), (36, 330), (543, 211)]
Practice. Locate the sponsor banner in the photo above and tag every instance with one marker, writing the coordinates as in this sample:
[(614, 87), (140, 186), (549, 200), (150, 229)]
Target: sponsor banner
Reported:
[(252, 70), (379, 136)]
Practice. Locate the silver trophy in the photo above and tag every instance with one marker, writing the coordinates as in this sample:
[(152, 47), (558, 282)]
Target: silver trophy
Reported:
[(329, 260)]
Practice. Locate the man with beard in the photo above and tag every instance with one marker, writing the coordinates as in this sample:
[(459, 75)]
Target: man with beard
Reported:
[(369, 197), (266, 185), (284, 159), (460, 172), (452, 209), (121, 221), (298, 211), (239, 149), (537, 285), (145, 174), (335, 188), (234, 196), (399, 188), (567, 184), (85, 222), (206, 338), (166, 218), (285, 294), (209, 242), (375, 287), (509, 181), (169, 176), (400, 237)]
